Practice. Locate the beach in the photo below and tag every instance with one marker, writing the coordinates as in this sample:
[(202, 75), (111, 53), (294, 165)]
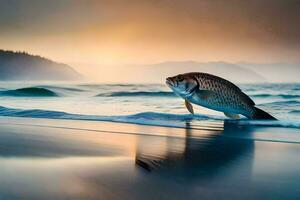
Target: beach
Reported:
[(149, 100), (76, 159)]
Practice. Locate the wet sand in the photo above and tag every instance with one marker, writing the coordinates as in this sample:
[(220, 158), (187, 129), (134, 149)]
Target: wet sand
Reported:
[(69, 159)]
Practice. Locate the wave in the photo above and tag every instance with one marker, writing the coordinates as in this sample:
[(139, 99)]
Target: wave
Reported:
[(267, 123), (282, 103), (285, 96), (295, 112), (60, 88), (29, 92), (144, 118), (139, 93)]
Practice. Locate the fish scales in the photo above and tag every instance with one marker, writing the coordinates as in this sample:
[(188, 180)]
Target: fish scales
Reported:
[(215, 93), (226, 95)]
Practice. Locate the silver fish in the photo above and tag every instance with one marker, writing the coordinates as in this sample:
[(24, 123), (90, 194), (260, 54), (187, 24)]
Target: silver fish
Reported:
[(215, 93)]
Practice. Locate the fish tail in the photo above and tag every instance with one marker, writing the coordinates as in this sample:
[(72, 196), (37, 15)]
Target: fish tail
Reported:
[(260, 114)]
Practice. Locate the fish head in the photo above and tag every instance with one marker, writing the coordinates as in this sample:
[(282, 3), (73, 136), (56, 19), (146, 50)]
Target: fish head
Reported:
[(183, 85)]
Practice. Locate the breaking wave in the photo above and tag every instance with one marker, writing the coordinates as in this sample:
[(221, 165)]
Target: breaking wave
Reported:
[(144, 118), (29, 92)]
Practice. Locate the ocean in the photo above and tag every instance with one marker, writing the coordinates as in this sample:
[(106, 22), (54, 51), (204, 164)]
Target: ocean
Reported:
[(59, 141), (148, 104)]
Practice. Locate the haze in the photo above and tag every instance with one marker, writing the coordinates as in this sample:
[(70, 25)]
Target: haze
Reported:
[(91, 35)]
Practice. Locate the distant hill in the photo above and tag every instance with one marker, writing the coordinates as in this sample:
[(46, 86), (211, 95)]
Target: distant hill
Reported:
[(275, 72), (157, 73), (226, 70), (23, 66)]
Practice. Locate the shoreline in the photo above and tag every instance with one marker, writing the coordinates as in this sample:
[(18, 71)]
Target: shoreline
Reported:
[(69, 159)]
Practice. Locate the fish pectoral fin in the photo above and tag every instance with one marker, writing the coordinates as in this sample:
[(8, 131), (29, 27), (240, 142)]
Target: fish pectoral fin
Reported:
[(231, 115), (205, 94), (189, 106)]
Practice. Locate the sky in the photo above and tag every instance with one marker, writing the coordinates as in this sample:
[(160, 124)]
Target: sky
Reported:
[(87, 33)]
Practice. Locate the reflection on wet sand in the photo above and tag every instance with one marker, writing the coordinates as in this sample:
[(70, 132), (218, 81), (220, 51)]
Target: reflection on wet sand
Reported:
[(196, 157), (83, 160)]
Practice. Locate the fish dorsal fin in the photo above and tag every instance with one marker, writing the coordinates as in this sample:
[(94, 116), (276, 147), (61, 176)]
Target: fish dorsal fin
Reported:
[(189, 106), (231, 115)]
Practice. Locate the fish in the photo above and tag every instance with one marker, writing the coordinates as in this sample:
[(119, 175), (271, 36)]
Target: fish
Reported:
[(215, 93)]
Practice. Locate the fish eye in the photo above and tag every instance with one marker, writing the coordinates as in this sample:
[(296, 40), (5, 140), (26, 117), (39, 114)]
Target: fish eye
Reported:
[(179, 78)]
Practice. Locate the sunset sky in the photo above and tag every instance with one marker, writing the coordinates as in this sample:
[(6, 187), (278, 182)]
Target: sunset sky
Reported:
[(118, 32)]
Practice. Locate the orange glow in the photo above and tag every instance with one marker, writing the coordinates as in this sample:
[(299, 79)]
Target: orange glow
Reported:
[(92, 35)]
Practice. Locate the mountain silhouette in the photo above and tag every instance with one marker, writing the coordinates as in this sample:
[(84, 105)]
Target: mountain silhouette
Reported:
[(23, 66)]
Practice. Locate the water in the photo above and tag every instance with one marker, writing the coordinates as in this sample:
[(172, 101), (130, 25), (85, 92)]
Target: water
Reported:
[(151, 104), (69, 159), (70, 150)]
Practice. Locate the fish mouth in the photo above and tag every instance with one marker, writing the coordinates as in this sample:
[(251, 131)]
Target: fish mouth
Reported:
[(169, 82)]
